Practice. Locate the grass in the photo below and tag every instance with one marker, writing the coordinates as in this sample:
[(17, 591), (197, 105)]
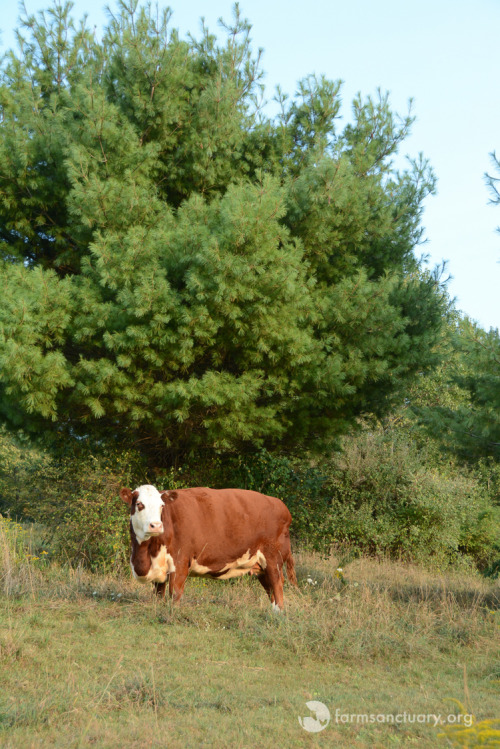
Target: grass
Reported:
[(92, 660)]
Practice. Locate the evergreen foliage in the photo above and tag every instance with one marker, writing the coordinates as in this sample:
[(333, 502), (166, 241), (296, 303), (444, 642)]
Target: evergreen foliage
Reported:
[(463, 415), (181, 271), (493, 181)]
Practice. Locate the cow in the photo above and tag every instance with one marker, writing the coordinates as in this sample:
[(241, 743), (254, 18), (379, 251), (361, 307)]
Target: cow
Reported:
[(217, 533)]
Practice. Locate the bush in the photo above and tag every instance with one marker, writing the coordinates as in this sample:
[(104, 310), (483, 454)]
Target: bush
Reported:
[(74, 497), (94, 527), (386, 499), (380, 495), (295, 482), (298, 484)]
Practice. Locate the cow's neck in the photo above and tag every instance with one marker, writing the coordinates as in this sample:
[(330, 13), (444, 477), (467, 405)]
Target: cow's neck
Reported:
[(143, 553)]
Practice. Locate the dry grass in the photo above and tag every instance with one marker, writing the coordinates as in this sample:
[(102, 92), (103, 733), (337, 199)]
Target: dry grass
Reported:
[(92, 659)]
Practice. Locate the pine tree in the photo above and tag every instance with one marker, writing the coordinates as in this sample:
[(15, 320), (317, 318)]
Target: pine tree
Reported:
[(180, 271), (493, 183), (464, 416)]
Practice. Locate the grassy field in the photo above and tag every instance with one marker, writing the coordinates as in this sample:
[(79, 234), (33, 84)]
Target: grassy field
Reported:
[(88, 660)]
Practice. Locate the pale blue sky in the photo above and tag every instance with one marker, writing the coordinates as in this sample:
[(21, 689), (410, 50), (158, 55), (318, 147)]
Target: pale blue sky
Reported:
[(442, 53)]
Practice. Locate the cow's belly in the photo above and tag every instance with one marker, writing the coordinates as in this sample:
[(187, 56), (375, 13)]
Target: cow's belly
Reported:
[(245, 565), (161, 566)]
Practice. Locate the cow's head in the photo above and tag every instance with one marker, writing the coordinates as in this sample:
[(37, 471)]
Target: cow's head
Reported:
[(146, 505)]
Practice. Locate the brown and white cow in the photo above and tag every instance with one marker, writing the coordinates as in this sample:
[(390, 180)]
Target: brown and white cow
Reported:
[(219, 533)]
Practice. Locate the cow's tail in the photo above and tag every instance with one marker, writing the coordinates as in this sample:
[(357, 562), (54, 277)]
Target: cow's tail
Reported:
[(290, 570)]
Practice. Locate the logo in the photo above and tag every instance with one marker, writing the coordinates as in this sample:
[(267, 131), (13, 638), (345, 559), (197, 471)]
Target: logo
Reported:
[(321, 717)]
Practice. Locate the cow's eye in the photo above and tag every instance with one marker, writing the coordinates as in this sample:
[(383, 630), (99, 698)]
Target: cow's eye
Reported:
[(140, 506)]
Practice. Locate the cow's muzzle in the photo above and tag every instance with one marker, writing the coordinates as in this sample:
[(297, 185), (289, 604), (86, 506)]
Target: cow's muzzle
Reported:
[(155, 529)]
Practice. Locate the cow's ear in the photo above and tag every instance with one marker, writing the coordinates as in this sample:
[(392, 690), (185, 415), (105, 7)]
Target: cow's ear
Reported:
[(128, 496), (169, 495)]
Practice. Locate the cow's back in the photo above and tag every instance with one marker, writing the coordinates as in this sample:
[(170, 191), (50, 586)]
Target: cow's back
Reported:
[(225, 523)]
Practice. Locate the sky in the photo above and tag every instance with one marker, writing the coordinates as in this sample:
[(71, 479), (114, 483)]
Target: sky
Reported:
[(441, 53)]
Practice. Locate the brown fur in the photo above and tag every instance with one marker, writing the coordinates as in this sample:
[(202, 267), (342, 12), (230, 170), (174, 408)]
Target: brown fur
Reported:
[(216, 527)]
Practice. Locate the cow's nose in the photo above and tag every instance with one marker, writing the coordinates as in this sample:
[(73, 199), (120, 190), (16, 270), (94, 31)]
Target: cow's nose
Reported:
[(156, 526)]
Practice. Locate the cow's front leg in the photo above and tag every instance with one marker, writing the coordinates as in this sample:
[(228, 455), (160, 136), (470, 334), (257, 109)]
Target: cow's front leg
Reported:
[(177, 580), (160, 589)]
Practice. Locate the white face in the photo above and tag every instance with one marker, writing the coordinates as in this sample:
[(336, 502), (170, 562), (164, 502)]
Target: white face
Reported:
[(146, 513)]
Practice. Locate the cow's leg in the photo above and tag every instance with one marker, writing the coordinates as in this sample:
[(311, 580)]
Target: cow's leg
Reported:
[(177, 580), (160, 589), (286, 555), (275, 573), (266, 584), (272, 581)]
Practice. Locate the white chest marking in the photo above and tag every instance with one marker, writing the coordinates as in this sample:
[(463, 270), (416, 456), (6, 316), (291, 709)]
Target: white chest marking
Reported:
[(241, 566), (161, 565)]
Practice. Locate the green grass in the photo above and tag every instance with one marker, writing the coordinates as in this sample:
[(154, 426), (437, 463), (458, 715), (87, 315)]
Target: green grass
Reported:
[(88, 660)]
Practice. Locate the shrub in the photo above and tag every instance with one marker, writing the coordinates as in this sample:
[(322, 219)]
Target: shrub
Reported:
[(94, 527), (380, 495), (386, 499), (75, 497), (299, 485)]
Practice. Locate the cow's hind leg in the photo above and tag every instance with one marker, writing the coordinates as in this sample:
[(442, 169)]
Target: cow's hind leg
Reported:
[(285, 551), (276, 577), (272, 581), (266, 584)]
